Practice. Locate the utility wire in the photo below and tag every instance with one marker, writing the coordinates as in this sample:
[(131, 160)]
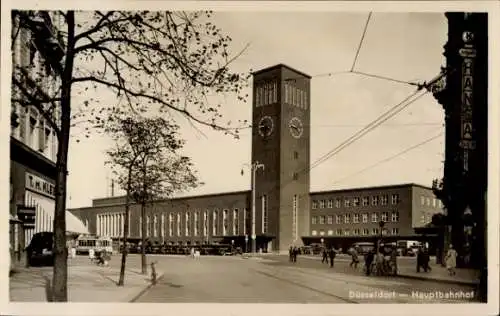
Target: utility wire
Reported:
[(361, 41), (368, 128), (390, 158)]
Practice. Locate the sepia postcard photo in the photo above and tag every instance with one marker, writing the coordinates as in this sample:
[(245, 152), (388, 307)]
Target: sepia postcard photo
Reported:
[(245, 157)]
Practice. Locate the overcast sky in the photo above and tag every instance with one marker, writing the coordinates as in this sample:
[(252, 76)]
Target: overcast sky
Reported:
[(403, 46)]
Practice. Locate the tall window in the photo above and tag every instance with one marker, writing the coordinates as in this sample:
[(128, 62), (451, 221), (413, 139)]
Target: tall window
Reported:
[(355, 201), (264, 214), (375, 200), (196, 223), (314, 204), (355, 218), (338, 220), (148, 228), (224, 222), (235, 222), (170, 224), (338, 202), (330, 219), (356, 231), (366, 231), (375, 231), (347, 203), (266, 93), (366, 201), (330, 203), (365, 218), (395, 231), (205, 223), (395, 199), (322, 204), (179, 233), (295, 221), (374, 217), (385, 216), (214, 223), (314, 220), (188, 219), (339, 232), (395, 216), (422, 200), (155, 225), (347, 218), (162, 225), (246, 215), (384, 200), (322, 220)]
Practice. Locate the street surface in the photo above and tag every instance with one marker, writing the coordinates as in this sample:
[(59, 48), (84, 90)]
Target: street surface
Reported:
[(275, 280)]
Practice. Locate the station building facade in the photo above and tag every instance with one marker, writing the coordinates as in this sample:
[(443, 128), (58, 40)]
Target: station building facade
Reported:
[(286, 212)]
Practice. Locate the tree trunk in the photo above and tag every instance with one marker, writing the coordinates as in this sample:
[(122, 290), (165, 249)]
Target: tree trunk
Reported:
[(60, 275), (144, 267), (121, 281)]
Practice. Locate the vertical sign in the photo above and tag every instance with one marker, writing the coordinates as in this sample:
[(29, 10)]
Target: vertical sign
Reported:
[(468, 54)]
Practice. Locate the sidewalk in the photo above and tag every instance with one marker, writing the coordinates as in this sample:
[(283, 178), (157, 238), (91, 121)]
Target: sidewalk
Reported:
[(407, 269), (86, 283)]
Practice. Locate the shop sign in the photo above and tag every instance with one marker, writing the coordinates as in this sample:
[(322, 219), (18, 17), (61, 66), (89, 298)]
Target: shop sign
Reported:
[(39, 185)]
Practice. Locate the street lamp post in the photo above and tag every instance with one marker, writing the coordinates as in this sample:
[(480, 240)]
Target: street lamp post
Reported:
[(381, 225), (255, 166)]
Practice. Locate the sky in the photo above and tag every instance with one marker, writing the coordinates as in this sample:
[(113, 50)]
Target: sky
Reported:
[(402, 46)]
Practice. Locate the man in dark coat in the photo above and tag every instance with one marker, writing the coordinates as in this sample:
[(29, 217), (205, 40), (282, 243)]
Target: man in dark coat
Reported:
[(332, 253), (290, 253), (295, 253), (369, 261), (325, 256)]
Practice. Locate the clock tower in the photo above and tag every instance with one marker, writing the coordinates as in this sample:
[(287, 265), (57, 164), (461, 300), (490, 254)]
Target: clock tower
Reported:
[(281, 142)]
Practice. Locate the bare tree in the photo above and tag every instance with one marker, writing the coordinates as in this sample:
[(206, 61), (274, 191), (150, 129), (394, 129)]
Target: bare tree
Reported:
[(148, 167), (168, 62)]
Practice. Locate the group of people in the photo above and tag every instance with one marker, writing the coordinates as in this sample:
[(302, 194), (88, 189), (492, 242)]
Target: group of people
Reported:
[(329, 254), (376, 261)]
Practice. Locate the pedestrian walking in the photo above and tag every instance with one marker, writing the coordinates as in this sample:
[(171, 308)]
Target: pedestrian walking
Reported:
[(354, 258), (290, 254), (295, 253), (451, 260), (369, 261), (420, 258), (394, 260), (379, 262), (325, 256), (426, 260), (332, 253)]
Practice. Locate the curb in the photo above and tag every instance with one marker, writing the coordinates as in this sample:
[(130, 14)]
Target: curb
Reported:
[(147, 288), (457, 282)]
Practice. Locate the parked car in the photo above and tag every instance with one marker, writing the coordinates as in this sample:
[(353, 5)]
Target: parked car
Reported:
[(40, 249)]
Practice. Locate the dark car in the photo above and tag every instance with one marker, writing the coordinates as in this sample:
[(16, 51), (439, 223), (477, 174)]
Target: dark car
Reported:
[(40, 249)]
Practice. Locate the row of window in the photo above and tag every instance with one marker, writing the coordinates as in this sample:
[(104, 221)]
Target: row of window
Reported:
[(266, 93), (356, 232), (356, 201), (295, 96), (34, 131), (427, 201), (346, 218), (426, 217)]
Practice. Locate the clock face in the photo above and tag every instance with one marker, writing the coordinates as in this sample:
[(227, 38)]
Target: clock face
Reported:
[(266, 126), (296, 127)]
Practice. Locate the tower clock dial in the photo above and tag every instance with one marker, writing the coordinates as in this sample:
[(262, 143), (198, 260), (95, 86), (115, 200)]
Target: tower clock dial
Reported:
[(266, 126), (296, 127)]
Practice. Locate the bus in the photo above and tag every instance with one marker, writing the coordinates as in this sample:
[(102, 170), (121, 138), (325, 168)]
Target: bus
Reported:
[(86, 242)]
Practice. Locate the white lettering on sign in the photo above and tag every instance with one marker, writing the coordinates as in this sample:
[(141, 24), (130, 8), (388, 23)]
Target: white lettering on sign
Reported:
[(39, 185), (466, 130)]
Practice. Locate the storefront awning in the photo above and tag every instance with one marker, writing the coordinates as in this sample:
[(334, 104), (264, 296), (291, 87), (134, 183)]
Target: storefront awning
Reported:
[(75, 225)]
